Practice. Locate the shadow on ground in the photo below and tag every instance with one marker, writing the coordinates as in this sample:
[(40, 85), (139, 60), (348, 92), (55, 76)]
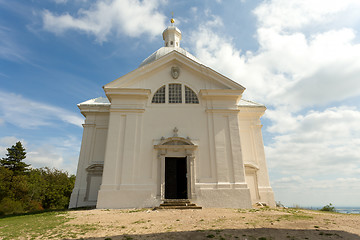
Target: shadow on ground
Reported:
[(241, 234)]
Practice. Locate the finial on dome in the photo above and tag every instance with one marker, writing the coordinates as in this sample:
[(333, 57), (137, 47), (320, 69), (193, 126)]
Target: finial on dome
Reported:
[(172, 20)]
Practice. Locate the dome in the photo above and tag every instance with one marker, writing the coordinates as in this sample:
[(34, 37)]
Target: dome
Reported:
[(164, 51)]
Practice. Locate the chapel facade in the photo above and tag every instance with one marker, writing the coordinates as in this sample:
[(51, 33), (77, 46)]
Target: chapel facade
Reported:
[(172, 129)]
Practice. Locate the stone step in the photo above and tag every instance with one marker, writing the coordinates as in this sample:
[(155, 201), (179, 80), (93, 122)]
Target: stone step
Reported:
[(178, 207), (177, 204), (177, 200)]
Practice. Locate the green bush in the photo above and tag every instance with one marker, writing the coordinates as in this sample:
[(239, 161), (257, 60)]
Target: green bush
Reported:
[(10, 206), (328, 208)]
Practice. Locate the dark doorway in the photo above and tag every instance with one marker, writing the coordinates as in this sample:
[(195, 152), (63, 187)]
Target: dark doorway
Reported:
[(175, 178)]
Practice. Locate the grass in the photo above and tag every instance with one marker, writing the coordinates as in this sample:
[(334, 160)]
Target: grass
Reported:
[(290, 214), (45, 225), (42, 224), (139, 221), (138, 210), (293, 217)]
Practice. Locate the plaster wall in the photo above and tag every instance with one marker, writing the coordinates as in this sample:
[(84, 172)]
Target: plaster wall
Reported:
[(254, 157), (92, 152)]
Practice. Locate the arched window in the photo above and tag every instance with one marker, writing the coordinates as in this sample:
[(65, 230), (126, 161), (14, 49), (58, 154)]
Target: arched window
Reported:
[(190, 96), (175, 93), (159, 96)]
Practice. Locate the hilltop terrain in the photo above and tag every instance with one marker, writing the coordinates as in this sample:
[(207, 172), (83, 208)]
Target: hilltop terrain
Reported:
[(208, 223)]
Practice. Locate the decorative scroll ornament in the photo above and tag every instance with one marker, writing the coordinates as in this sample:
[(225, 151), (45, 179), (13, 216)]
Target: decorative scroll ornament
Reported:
[(175, 72)]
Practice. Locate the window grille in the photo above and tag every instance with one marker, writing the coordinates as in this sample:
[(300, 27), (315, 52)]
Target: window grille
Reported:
[(159, 96), (175, 93), (190, 96)]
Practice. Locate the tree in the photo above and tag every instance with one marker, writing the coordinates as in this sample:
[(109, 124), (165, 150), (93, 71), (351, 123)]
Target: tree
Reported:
[(14, 160), (58, 187)]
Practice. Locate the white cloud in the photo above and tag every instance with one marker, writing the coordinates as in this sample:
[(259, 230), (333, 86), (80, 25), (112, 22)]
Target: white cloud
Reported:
[(66, 1), (60, 1), (6, 142), (295, 15), (293, 182), (318, 144), (9, 50), (106, 18), (307, 192), (26, 113), (55, 155), (61, 152), (311, 72)]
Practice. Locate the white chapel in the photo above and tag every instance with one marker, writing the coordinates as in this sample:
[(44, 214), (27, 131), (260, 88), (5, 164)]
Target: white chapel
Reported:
[(172, 129)]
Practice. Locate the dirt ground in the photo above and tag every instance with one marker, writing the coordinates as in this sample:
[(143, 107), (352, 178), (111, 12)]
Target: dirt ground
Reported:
[(213, 223)]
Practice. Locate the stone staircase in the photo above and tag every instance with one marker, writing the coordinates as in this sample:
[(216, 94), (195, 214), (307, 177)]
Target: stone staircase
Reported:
[(177, 204)]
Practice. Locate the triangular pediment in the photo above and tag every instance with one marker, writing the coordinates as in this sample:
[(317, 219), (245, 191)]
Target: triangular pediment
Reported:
[(174, 58)]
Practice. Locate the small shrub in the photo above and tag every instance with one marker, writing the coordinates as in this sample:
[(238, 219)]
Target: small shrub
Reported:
[(10, 206), (328, 208), (279, 204)]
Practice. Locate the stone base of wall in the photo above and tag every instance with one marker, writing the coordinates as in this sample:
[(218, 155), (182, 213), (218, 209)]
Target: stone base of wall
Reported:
[(77, 199), (267, 196), (127, 199), (223, 198)]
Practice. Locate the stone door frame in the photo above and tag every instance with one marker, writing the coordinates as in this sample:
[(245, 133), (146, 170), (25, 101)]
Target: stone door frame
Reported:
[(176, 147)]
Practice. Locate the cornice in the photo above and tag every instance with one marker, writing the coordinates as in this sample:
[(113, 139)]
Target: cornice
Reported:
[(132, 93), (222, 110), (221, 93), (127, 110)]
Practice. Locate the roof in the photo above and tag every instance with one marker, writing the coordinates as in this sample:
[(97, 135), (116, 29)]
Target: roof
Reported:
[(100, 101), (247, 103), (164, 51)]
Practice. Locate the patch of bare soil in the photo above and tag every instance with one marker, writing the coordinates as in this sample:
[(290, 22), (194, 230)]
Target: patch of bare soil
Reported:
[(213, 223)]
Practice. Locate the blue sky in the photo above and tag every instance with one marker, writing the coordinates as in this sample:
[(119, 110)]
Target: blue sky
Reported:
[(299, 58)]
